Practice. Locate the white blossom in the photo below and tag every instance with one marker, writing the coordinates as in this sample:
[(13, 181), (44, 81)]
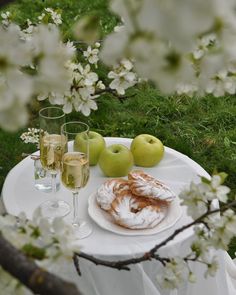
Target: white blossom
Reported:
[(118, 28), (6, 18), (212, 268), (220, 191), (70, 48), (117, 41), (198, 197), (194, 199), (173, 274), (40, 17), (81, 94), (100, 85), (223, 230), (204, 44), (20, 49), (182, 46), (31, 136), (55, 17), (91, 54), (122, 76), (28, 31), (86, 102), (55, 239), (89, 77), (52, 74), (14, 117), (10, 40), (188, 89), (192, 277), (84, 85), (40, 233), (201, 246)]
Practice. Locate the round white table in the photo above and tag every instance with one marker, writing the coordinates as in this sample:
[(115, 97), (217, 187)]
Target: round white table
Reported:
[(177, 171)]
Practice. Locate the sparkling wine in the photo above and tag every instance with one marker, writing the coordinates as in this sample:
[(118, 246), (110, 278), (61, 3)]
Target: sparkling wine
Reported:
[(52, 147), (75, 170)]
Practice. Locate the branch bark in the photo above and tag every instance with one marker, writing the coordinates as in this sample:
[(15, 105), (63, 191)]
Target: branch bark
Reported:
[(28, 273), (121, 98)]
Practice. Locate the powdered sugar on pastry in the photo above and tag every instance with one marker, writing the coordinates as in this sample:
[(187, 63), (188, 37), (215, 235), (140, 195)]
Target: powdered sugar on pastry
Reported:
[(136, 212), (142, 184), (107, 191)]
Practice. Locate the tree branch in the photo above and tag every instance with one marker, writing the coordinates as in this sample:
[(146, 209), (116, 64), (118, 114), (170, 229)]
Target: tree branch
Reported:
[(120, 265), (121, 98), (151, 254), (28, 273)]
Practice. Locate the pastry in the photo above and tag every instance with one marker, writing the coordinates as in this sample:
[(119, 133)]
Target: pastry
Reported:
[(108, 190), (144, 185), (135, 212), (137, 203)]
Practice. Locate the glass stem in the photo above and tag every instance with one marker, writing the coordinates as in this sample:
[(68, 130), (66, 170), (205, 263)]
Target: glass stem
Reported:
[(54, 204), (54, 183), (76, 208)]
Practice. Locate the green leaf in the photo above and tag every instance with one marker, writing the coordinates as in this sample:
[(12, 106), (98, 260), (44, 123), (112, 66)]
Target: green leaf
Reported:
[(34, 252), (223, 176), (205, 180), (45, 19), (196, 249), (35, 233), (58, 11)]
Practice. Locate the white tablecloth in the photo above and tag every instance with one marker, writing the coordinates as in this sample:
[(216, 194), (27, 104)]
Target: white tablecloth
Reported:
[(177, 171)]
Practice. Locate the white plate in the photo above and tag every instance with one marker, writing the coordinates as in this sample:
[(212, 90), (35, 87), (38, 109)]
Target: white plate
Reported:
[(105, 220)]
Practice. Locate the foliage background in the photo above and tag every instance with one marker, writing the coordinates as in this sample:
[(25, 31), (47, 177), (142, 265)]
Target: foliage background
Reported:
[(202, 128)]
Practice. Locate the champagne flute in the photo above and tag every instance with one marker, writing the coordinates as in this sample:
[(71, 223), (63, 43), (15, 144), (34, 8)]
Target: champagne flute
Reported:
[(52, 147), (75, 169)]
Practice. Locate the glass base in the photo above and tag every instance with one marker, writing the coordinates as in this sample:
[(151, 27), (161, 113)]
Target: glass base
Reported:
[(57, 208), (43, 178), (82, 229)]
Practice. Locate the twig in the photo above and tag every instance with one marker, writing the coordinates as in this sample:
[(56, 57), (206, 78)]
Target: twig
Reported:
[(76, 264), (151, 254), (120, 265), (121, 98)]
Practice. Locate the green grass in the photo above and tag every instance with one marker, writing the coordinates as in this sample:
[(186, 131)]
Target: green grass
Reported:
[(202, 128), (71, 10)]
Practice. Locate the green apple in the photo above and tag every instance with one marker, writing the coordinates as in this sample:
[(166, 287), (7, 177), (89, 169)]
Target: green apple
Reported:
[(116, 160), (96, 145), (147, 150)]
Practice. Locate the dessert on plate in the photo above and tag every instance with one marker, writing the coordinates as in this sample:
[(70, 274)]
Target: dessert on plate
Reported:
[(141, 202)]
